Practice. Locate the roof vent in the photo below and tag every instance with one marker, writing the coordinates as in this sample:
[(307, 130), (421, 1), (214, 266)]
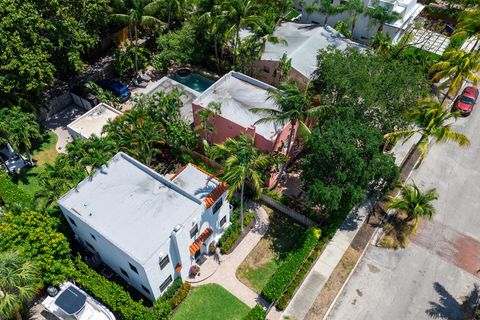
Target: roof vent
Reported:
[(177, 227)]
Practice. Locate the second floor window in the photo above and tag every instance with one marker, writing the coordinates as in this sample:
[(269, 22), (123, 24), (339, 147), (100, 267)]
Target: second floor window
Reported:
[(194, 231), (163, 263), (217, 205)]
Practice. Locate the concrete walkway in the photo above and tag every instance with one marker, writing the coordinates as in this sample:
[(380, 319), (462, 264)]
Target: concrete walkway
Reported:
[(323, 268), (225, 274)]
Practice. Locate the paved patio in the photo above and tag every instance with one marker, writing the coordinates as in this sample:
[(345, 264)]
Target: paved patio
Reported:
[(223, 272), (58, 124)]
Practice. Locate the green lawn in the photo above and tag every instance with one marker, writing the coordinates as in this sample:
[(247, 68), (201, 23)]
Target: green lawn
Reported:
[(45, 152), (211, 302), (262, 262)]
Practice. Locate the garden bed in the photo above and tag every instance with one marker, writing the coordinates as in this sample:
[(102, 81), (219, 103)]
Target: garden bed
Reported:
[(233, 235)]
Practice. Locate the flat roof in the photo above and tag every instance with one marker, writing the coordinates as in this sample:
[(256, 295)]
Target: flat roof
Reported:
[(195, 182), (131, 205), (237, 94), (303, 43), (92, 122)]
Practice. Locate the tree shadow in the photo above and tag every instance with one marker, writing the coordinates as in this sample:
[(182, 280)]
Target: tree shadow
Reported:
[(449, 308)]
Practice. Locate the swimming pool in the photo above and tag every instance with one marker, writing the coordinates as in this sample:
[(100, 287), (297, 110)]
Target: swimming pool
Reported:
[(194, 81)]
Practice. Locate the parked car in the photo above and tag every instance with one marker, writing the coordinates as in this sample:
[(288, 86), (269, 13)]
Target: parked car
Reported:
[(465, 102), (71, 302), (118, 89)]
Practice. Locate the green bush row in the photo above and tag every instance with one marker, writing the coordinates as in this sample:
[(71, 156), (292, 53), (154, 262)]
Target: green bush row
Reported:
[(231, 234), (172, 290), (180, 295), (257, 313), (116, 298), (287, 270), (10, 193)]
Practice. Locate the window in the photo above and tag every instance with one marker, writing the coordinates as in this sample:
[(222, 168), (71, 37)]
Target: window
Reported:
[(93, 237), (222, 222), (134, 269), (165, 283), (124, 272), (163, 263), (217, 205), (90, 246), (145, 289), (194, 231), (266, 69), (72, 221)]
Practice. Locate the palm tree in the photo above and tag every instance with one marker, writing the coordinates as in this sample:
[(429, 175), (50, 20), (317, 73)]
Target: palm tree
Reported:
[(205, 114), (413, 202), (293, 107), (141, 14), (456, 66), (430, 121), (284, 68), (468, 26), (104, 96), (355, 7), (18, 283), (242, 162), (216, 26), (176, 7), (328, 9), (21, 128), (382, 15)]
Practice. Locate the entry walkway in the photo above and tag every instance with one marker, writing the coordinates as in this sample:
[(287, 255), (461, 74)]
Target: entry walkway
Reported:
[(225, 274)]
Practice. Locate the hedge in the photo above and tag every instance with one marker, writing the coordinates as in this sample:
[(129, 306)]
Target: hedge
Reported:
[(11, 194), (257, 313), (170, 292), (180, 295), (116, 298), (233, 232), (287, 270)]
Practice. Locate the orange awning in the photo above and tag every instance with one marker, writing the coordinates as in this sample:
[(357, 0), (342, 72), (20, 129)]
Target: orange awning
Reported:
[(195, 246)]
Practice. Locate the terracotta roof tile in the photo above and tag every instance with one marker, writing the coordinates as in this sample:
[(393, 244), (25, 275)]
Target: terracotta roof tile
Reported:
[(215, 194), (195, 246)]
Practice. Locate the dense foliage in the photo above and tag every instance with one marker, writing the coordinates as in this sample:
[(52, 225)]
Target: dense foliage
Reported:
[(256, 313), (378, 89), (287, 270), (343, 159), (11, 194), (116, 298), (37, 235), (234, 230), (172, 289)]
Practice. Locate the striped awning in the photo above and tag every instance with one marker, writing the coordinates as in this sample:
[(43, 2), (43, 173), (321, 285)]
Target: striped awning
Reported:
[(195, 246)]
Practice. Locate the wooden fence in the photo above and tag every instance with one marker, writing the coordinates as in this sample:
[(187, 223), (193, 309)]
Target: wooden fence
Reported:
[(287, 211)]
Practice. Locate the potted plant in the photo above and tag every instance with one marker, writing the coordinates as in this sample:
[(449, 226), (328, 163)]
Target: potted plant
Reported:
[(212, 248), (194, 270)]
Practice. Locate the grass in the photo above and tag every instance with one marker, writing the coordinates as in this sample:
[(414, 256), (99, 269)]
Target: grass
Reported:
[(45, 152), (212, 302), (262, 262)]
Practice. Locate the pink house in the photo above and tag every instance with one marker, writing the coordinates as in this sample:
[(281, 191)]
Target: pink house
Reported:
[(237, 94)]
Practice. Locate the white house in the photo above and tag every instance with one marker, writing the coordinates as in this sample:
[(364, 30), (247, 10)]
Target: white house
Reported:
[(92, 121), (145, 227), (302, 43), (365, 27)]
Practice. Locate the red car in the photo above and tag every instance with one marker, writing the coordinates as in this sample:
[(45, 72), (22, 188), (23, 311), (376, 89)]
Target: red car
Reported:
[(466, 100)]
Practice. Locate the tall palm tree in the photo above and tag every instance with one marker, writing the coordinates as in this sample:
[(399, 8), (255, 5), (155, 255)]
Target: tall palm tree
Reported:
[(413, 202), (468, 26), (293, 107), (355, 7), (206, 114), (176, 7), (382, 15), (430, 120), (18, 283), (328, 9), (242, 162), (139, 15), (21, 128), (215, 23), (284, 68), (456, 66)]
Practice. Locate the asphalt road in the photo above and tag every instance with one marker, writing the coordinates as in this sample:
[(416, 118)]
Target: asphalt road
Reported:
[(435, 274)]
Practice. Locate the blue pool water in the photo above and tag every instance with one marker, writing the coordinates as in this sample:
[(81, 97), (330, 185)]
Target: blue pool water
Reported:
[(194, 81)]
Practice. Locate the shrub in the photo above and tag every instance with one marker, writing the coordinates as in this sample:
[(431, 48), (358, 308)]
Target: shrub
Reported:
[(11, 194), (180, 295), (289, 267), (116, 298), (171, 291), (257, 313), (233, 232)]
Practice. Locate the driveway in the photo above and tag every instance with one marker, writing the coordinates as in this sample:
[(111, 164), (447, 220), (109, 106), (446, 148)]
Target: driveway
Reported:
[(435, 275), (58, 124)]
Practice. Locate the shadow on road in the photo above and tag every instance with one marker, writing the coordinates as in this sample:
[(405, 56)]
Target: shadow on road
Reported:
[(449, 308)]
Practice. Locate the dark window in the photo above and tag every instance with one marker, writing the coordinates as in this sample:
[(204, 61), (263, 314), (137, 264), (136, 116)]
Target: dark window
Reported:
[(164, 262), (217, 205), (145, 289), (165, 283), (93, 237), (194, 231), (222, 222), (266, 69), (90, 246), (72, 221), (124, 272), (134, 269)]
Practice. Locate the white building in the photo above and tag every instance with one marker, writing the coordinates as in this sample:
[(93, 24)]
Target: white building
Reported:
[(93, 121), (366, 27), (147, 228)]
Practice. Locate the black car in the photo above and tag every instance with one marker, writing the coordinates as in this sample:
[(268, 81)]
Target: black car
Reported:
[(118, 89)]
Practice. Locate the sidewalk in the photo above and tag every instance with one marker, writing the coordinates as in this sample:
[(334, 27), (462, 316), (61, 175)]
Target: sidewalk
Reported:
[(323, 268), (225, 274)]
